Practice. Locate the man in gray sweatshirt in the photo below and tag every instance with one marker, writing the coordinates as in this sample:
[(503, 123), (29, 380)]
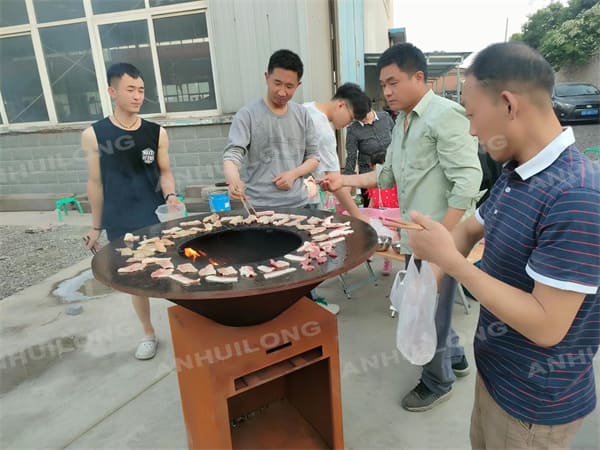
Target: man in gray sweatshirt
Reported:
[(274, 140)]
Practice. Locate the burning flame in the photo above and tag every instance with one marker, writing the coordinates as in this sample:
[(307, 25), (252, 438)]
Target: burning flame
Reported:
[(195, 254), (191, 253)]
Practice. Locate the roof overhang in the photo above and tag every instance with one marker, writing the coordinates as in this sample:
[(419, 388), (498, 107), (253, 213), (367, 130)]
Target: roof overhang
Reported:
[(438, 63)]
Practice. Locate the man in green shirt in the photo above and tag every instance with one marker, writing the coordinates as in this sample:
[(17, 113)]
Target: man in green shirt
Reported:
[(433, 160)]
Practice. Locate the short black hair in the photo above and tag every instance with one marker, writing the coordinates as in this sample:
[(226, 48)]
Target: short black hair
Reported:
[(117, 70), (356, 97), (512, 66), (288, 60), (406, 56), (377, 158)]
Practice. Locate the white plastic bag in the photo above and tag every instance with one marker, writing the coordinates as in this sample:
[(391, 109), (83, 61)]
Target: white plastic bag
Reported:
[(415, 298)]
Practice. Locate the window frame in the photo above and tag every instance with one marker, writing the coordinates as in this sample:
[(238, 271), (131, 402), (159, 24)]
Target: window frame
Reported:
[(93, 23)]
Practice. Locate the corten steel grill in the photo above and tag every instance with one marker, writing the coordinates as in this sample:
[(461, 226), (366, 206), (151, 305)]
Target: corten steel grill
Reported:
[(249, 301), (274, 384)]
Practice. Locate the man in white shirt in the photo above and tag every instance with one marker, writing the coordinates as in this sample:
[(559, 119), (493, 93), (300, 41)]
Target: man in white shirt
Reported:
[(349, 103)]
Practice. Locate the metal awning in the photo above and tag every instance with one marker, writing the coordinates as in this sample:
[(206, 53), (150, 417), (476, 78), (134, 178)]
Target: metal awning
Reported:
[(438, 63)]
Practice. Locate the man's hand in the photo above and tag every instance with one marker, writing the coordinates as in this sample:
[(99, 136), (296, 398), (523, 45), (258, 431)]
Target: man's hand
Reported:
[(173, 200), (434, 243), (90, 240), (236, 189), (285, 180), (332, 182)]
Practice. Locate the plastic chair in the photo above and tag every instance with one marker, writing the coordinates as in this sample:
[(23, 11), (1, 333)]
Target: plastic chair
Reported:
[(593, 153), (63, 204)]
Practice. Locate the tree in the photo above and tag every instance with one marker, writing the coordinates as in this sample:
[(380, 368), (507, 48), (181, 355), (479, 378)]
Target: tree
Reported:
[(543, 21), (575, 41), (564, 34)]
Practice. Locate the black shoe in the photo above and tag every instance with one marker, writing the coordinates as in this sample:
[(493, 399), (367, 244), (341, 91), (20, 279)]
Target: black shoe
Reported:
[(461, 368), (422, 399)]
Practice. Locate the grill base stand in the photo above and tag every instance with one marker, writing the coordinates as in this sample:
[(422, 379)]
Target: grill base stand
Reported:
[(275, 385)]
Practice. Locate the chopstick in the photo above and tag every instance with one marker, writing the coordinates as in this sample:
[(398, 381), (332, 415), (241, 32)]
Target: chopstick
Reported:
[(243, 200), (402, 224), (249, 205)]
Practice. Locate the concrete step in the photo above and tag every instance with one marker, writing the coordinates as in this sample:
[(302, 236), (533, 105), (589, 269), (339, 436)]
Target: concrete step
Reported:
[(30, 202)]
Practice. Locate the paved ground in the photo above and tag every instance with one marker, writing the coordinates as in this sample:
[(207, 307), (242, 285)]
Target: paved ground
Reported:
[(587, 135), (71, 381)]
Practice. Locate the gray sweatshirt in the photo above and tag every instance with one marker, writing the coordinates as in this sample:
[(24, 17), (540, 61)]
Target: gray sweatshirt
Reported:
[(265, 145)]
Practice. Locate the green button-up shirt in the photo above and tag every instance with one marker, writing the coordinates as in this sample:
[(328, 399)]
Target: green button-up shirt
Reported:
[(434, 163)]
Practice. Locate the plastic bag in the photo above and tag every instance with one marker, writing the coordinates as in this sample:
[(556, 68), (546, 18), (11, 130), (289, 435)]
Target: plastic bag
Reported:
[(415, 298), (380, 228)]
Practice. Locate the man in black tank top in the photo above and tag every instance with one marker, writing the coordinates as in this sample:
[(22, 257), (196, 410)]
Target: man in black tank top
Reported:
[(129, 175)]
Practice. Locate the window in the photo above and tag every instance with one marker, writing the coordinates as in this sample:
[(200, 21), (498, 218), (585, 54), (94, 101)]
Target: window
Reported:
[(109, 6), (184, 59), (71, 71), (20, 81), (129, 42), (52, 65), (165, 2), (13, 12), (46, 11)]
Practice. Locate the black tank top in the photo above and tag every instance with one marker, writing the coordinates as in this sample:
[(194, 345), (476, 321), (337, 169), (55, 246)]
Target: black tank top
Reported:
[(130, 175)]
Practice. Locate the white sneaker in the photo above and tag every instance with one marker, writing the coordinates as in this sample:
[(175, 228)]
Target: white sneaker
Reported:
[(331, 307), (146, 349)]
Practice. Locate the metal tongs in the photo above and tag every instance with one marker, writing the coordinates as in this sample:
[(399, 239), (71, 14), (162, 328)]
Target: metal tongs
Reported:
[(247, 205)]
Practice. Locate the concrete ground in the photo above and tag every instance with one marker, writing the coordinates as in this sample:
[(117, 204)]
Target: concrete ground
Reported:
[(72, 382)]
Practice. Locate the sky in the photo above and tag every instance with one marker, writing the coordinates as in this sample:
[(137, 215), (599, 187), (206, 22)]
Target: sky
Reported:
[(461, 25)]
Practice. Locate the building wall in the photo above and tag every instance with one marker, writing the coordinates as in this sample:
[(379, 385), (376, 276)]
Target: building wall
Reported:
[(378, 18), (587, 73), (245, 33), (53, 161)]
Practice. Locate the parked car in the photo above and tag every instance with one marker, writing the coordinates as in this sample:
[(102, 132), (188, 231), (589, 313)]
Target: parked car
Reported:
[(576, 102)]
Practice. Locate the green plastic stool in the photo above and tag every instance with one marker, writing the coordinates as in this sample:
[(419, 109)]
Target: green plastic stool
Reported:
[(63, 203), (593, 153)]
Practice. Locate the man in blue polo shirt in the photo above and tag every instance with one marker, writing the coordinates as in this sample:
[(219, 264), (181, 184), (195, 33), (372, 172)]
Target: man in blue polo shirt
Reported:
[(538, 283)]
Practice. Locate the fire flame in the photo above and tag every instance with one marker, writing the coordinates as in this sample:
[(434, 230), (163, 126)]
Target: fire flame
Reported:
[(191, 253), (195, 254)]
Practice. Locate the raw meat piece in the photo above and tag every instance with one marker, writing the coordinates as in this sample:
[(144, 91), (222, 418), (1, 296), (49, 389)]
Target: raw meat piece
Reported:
[(184, 280), (227, 271), (295, 257), (130, 237), (161, 273), (135, 267), (209, 269), (247, 272), (187, 268), (218, 279), (279, 264), (279, 273)]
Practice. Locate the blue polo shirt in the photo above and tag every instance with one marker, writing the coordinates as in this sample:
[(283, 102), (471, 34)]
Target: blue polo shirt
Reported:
[(541, 225)]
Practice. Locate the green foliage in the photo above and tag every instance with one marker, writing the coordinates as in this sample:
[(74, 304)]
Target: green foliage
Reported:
[(564, 34), (517, 37), (543, 21), (574, 41)]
